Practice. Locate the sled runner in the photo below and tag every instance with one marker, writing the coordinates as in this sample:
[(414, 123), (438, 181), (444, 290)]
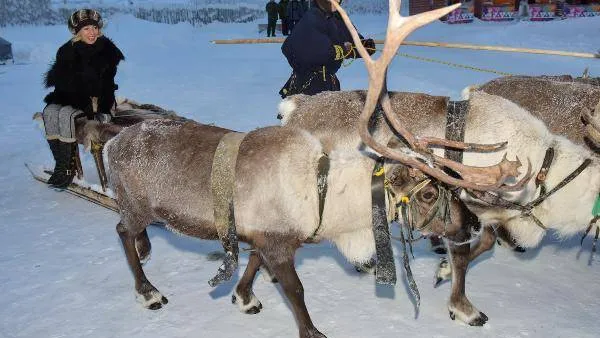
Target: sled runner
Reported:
[(77, 190)]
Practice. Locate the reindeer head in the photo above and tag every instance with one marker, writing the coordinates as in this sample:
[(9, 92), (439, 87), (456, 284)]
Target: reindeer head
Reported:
[(427, 206)]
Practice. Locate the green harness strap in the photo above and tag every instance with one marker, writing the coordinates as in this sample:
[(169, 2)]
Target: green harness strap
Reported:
[(596, 209)]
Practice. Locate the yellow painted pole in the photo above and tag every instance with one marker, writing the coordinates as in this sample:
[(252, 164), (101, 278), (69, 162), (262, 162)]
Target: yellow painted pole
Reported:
[(435, 44)]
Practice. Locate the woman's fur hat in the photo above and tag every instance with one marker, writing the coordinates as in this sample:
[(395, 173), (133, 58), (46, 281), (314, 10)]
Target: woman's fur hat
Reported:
[(84, 17)]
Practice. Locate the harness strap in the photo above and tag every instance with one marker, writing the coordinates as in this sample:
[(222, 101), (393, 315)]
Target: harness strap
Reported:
[(456, 116), (540, 179), (322, 173), (386, 268), (564, 182), (526, 210), (222, 181)]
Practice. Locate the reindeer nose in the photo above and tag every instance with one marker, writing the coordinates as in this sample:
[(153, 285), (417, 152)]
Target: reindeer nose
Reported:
[(279, 116)]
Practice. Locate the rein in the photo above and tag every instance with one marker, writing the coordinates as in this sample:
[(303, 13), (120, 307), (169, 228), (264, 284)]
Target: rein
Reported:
[(408, 212), (527, 209)]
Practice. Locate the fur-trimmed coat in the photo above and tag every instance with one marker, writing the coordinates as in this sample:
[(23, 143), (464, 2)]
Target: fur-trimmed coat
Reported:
[(82, 71)]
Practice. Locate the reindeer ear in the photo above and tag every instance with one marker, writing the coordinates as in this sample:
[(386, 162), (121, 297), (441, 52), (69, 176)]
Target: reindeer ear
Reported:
[(399, 175), (414, 173), (395, 143)]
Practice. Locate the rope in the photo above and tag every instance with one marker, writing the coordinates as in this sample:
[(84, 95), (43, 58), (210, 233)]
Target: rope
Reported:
[(451, 64), (436, 44), (457, 65)]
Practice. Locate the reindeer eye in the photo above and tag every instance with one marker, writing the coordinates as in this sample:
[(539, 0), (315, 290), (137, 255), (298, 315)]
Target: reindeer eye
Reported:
[(428, 195)]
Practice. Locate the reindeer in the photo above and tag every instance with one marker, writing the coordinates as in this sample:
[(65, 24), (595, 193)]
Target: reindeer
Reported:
[(156, 173), (525, 215)]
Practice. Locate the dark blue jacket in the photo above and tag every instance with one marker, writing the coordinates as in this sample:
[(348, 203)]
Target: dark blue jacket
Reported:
[(310, 47)]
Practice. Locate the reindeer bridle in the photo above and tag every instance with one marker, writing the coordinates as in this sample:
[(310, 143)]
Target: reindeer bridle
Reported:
[(409, 207)]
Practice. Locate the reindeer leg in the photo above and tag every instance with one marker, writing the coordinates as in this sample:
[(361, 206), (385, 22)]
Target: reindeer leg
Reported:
[(143, 246), (147, 294), (459, 306), (279, 257), (485, 243), (243, 295)]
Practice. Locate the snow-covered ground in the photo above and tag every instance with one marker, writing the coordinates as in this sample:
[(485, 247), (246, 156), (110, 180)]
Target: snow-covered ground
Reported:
[(63, 272)]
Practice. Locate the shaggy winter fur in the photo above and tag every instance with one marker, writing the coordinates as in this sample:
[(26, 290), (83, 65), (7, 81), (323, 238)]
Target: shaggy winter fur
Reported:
[(558, 100), (493, 119), (490, 119), (333, 118)]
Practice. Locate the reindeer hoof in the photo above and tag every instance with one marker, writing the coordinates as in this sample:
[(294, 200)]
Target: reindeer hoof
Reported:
[(369, 267), (155, 306), (443, 273), (152, 299), (452, 315), (254, 310), (252, 307), (479, 321), (314, 333)]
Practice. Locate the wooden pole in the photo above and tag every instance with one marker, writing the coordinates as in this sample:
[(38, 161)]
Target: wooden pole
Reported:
[(436, 44)]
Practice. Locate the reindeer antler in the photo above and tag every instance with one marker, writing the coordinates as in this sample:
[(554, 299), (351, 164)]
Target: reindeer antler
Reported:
[(419, 156)]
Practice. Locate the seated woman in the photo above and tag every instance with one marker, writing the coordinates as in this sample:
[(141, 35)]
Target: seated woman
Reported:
[(83, 79), (316, 48)]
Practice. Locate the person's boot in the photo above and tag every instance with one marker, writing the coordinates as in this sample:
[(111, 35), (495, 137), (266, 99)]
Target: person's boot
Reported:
[(54, 148), (64, 165)]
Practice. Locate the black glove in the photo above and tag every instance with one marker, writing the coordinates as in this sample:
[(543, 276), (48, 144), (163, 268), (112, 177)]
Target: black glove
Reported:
[(369, 45), (344, 51)]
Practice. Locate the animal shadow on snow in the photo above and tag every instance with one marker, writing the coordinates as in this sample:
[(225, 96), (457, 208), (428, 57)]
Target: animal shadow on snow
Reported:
[(307, 253)]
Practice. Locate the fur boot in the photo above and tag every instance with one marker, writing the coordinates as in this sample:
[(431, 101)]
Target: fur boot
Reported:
[(64, 170)]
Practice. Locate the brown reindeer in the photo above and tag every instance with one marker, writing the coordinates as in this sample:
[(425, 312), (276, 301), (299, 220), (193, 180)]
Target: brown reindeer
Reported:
[(562, 103), (164, 170), (490, 118)]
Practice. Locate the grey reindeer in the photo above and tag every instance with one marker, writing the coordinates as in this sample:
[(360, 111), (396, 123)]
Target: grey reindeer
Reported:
[(162, 170)]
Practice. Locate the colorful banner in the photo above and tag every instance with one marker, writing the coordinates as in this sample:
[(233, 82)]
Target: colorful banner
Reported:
[(463, 14), (498, 13), (542, 12), (579, 11)]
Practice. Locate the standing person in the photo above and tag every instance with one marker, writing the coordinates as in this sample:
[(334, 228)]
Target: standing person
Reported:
[(294, 13), (304, 5), (283, 15), (83, 79), (272, 13), (329, 41)]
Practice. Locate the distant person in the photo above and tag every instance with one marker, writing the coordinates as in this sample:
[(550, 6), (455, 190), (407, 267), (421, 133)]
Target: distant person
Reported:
[(316, 49), (294, 13), (272, 15), (305, 6), (283, 16), (83, 77)]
